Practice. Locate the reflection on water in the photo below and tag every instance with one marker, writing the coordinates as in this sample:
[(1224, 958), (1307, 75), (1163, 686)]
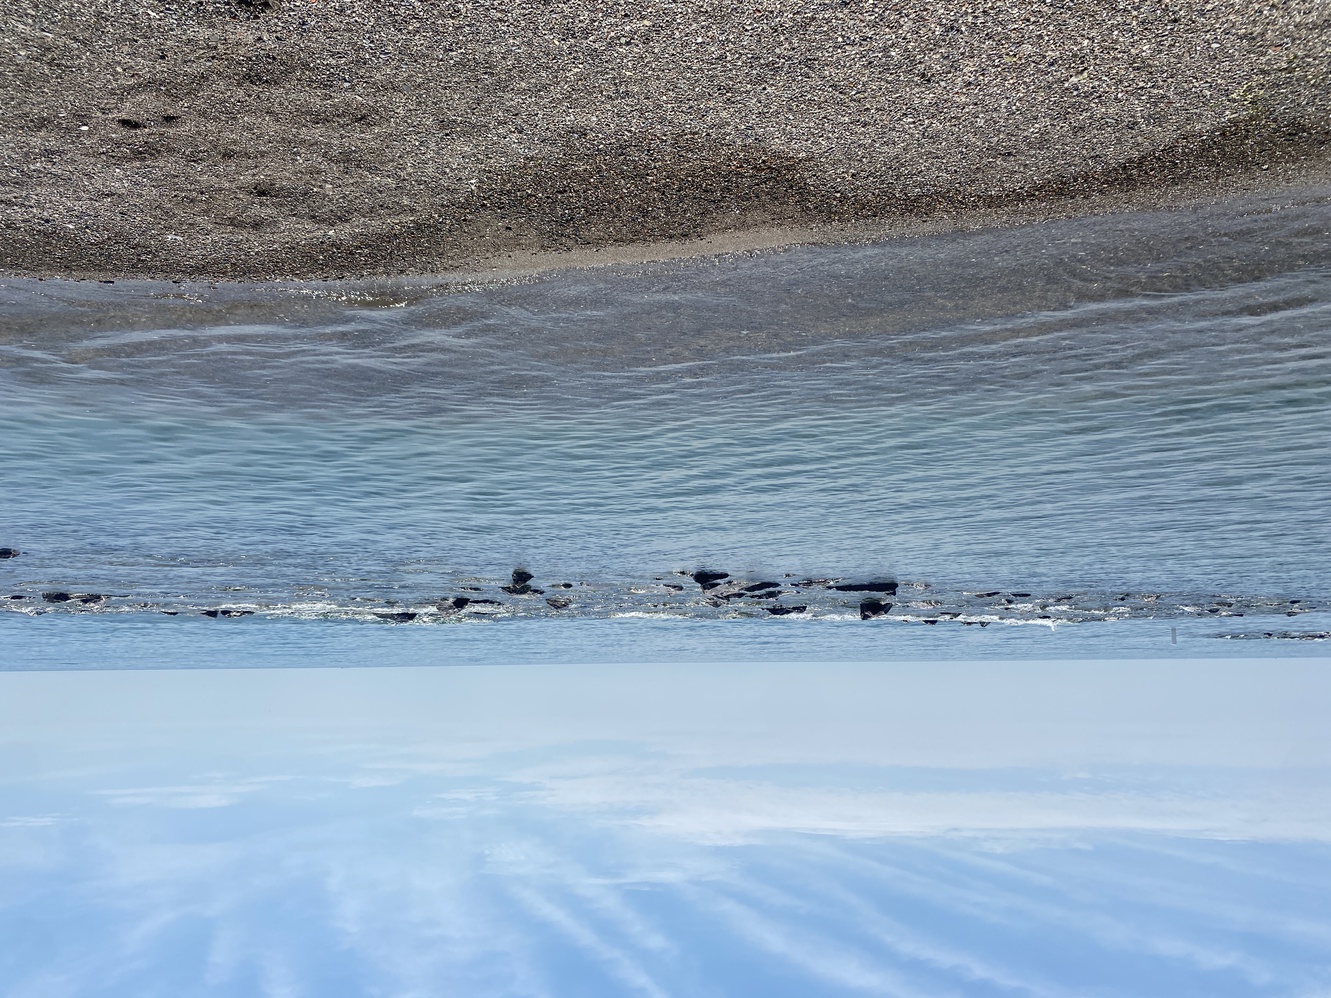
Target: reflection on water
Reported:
[(1132, 829)]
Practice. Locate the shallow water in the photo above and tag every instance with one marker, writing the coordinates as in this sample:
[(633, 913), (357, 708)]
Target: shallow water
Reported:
[(1104, 422), (1125, 829)]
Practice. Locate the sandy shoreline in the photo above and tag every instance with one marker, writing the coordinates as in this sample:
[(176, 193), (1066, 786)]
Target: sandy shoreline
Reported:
[(231, 139)]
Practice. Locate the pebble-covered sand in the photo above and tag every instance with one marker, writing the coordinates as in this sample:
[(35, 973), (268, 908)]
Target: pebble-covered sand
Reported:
[(346, 138)]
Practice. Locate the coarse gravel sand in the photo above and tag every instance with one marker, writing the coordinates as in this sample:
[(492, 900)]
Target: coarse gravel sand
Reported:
[(258, 139)]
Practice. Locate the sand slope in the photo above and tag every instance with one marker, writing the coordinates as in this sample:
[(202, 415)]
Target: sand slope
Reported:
[(238, 139)]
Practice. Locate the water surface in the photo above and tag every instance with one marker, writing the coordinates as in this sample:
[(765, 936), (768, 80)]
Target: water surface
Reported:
[(1095, 422)]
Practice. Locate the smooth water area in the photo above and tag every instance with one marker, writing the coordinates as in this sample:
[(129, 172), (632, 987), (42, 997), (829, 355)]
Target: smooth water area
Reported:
[(1121, 424), (1125, 829)]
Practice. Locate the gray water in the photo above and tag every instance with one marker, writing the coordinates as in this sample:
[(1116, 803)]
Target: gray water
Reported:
[(1117, 424)]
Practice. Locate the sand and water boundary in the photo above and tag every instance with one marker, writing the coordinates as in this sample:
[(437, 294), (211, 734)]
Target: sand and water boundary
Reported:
[(343, 139)]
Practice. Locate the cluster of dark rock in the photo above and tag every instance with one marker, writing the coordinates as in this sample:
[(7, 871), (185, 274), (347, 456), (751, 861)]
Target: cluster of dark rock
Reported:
[(718, 594), (721, 589)]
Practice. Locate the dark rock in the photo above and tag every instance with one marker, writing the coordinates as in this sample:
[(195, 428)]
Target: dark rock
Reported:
[(16, 596), (933, 621), (871, 608), (521, 589), (63, 597), (709, 578), (673, 588), (170, 613), (1019, 595), (228, 613), (814, 582), (569, 585), (397, 616), (9, 552), (559, 602), (986, 595), (487, 602), (782, 611), (881, 586), (758, 587), (452, 604), (521, 576)]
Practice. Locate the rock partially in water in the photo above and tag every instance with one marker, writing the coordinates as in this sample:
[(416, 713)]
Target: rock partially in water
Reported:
[(9, 552), (758, 587), (783, 611), (63, 597), (519, 586), (452, 604), (227, 613), (559, 602), (709, 578), (885, 586), (396, 616), (871, 608)]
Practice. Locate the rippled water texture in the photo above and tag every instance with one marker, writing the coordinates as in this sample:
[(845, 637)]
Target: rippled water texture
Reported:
[(1109, 422), (1032, 830)]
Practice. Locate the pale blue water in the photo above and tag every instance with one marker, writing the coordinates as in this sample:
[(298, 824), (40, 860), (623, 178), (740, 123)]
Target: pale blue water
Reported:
[(1122, 829)]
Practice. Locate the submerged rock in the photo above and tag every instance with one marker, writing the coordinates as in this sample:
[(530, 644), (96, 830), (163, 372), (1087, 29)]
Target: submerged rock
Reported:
[(871, 608), (559, 602), (9, 552), (880, 586)]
